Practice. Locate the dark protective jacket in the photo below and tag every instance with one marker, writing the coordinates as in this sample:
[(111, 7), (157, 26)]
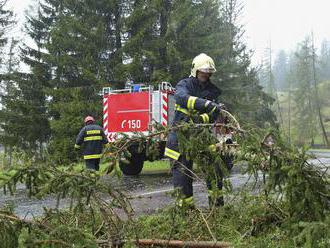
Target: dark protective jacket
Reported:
[(191, 97), (91, 137)]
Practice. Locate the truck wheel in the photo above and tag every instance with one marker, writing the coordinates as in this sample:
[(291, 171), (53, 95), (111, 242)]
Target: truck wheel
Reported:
[(135, 165)]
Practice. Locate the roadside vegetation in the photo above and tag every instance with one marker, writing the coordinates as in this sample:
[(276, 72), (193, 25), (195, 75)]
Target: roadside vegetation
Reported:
[(287, 207)]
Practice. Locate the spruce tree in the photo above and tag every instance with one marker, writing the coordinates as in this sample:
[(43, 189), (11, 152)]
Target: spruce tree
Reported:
[(6, 21), (306, 119), (8, 137), (193, 27), (84, 54), (280, 70), (236, 77), (7, 65), (324, 63), (25, 113)]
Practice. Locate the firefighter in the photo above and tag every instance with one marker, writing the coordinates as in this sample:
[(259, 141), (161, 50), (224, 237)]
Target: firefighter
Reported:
[(92, 138), (195, 94)]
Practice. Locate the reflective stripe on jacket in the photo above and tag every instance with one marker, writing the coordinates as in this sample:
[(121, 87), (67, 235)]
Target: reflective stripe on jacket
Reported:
[(91, 138), (191, 97)]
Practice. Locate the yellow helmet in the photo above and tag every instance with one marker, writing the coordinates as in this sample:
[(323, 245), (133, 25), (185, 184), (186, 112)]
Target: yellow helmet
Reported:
[(202, 63)]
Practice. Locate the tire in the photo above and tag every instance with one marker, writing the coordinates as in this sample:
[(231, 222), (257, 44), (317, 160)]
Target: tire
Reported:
[(135, 165)]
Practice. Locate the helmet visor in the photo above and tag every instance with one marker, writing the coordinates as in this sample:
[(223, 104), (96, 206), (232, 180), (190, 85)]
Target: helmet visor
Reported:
[(207, 70)]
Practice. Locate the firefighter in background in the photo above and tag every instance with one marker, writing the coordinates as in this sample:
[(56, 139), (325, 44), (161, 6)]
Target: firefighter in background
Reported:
[(92, 138), (195, 94)]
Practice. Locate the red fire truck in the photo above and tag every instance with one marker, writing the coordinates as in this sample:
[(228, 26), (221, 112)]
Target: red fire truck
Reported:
[(136, 109)]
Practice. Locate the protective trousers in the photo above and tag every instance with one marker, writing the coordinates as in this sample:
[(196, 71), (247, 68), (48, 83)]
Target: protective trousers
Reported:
[(183, 179), (92, 164)]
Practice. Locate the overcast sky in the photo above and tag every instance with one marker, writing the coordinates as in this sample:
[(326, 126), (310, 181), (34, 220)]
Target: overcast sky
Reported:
[(283, 22)]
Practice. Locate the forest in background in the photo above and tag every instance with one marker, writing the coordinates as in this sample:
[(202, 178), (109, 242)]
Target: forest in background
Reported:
[(299, 82)]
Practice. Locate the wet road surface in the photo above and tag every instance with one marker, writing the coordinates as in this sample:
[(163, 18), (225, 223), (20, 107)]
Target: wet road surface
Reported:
[(148, 192)]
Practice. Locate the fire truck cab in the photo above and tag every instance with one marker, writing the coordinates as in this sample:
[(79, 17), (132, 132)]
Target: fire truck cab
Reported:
[(135, 109)]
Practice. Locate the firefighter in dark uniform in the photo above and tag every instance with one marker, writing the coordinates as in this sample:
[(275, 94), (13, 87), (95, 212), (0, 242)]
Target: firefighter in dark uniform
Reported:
[(92, 138), (195, 94)]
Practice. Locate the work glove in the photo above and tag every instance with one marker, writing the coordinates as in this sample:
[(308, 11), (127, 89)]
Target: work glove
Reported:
[(214, 109), (222, 106)]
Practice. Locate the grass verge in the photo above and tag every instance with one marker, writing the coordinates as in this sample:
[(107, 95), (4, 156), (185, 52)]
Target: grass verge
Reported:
[(156, 166), (247, 223)]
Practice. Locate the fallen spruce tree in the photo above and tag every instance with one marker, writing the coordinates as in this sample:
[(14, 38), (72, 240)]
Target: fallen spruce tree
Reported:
[(290, 207)]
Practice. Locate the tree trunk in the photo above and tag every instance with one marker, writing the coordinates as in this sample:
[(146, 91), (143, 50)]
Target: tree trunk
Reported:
[(317, 99), (169, 243), (179, 243), (10, 155), (289, 118)]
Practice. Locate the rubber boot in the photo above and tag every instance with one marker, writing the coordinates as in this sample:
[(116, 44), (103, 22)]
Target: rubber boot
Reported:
[(219, 202)]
